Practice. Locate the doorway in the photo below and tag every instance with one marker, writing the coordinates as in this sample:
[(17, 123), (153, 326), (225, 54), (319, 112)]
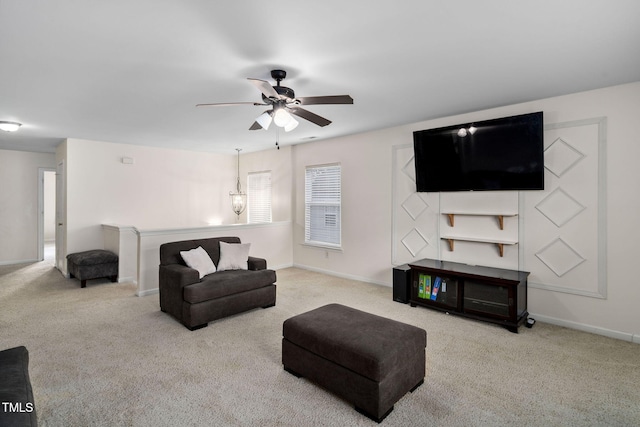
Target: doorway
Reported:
[(47, 215)]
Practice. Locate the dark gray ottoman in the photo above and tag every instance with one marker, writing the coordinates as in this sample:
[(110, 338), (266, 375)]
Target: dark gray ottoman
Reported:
[(366, 359), (93, 264)]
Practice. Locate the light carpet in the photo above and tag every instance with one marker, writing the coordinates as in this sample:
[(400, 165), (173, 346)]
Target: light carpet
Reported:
[(101, 356)]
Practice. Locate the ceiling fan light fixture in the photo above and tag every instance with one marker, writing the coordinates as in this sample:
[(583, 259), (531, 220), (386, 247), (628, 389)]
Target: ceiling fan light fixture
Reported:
[(281, 117), (284, 104), (265, 120), (10, 126), (293, 123)]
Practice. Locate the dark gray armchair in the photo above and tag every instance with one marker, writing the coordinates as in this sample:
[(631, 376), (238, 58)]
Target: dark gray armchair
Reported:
[(195, 301)]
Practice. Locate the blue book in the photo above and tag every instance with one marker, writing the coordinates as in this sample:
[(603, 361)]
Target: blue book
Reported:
[(436, 288)]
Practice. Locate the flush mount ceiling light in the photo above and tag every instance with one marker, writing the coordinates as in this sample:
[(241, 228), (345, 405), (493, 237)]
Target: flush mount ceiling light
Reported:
[(10, 126)]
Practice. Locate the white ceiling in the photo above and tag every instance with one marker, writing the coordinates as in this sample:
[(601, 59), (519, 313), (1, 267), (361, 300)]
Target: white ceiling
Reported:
[(132, 71)]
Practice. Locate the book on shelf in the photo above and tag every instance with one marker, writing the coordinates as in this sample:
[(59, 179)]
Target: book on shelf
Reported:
[(424, 286), (427, 287), (436, 288)]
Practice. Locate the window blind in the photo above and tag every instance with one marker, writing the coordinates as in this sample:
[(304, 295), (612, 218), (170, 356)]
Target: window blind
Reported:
[(322, 205), (259, 197)]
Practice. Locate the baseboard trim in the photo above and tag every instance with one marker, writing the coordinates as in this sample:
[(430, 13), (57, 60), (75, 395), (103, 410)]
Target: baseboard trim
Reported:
[(147, 292), (341, 275), (22, 261), (280, 267), (587, 328)]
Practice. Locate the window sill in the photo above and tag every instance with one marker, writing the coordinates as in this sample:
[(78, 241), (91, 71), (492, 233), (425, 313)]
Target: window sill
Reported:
[(323, 246)]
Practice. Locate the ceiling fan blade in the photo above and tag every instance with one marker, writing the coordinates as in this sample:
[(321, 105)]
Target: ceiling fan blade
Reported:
[(265, 87), (255, 126), (333, 99), (226, 104), (308, 115)]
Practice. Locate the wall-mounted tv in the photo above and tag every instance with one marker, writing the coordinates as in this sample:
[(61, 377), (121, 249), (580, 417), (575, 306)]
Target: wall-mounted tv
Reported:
[(498, 154)]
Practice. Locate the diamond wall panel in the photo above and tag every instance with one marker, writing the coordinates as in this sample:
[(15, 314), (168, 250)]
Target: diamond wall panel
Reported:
[(560, 156), (415, 242), (559, 207), (564, 240), (415, 226), (560, 257)]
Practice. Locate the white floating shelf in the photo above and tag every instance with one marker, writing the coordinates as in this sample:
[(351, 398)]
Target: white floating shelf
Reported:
[(499, 215), (499, 242)]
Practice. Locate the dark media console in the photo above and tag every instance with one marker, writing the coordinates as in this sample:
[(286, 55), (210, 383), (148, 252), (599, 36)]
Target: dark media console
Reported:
[(483, 293)]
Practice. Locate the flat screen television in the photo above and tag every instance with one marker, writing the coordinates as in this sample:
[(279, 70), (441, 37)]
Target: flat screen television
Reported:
[(498, 154)]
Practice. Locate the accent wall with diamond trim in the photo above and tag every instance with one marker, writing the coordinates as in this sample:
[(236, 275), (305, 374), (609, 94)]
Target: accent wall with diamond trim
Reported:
[(556, 234), (576, 237)]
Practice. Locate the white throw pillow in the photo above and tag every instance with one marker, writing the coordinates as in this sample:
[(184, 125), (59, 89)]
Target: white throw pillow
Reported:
[(234, 256), (200, 260)]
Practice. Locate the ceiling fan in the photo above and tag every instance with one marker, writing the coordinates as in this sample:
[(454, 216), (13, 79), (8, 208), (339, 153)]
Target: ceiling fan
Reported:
[(285, 104)]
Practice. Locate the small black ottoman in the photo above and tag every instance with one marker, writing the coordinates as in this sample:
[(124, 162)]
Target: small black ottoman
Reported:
[(93, 264), (366, 359)]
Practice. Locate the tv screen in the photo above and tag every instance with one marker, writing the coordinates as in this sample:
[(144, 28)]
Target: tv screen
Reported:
[(498, 154)]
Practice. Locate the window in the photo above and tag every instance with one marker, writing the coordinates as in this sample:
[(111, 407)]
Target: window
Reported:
[(322, 200), (259, 197)]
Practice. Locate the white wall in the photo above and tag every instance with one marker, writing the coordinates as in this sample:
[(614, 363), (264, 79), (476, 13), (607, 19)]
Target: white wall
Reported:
[(367, 195), (19, 204), (166, 195), (163, 188), (278, 162), (123, 241), (365, 161)]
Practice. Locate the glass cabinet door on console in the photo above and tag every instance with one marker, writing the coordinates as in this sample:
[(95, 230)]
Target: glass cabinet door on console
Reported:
[(488, 300), (439, 291)]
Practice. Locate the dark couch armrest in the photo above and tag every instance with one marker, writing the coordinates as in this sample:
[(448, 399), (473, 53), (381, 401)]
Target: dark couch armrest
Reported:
[(178, 276), (257, 263), (15, 388), (172, 279)]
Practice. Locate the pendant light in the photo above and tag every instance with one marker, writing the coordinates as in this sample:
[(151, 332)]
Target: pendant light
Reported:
[(239, 198)]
